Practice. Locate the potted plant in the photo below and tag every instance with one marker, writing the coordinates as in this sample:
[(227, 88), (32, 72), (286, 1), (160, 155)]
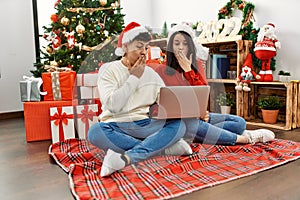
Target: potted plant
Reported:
[(284, 76), (225, 100), (269, 108)]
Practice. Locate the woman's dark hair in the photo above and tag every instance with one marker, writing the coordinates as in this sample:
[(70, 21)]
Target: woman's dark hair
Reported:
[(145, 37), (172, 63)]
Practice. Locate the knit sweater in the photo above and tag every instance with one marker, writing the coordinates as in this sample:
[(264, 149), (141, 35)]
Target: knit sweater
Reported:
[(125, 97)]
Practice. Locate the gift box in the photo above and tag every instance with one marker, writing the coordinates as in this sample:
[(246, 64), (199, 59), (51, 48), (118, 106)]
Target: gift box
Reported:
[(89, 92), (37, 118), (87, 115), (30, 89), (59, 85), (62, 123), (88, 79)]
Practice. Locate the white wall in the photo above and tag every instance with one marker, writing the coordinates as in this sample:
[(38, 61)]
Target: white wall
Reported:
[(17, 53)]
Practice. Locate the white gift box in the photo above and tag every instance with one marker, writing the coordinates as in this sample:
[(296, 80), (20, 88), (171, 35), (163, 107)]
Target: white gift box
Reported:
[(62, 123), (87, 115), (30, 89), (153, 53), (89, 79), (89, 92)]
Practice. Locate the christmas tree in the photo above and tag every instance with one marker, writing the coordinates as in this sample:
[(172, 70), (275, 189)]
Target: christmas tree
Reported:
[(78, 29)]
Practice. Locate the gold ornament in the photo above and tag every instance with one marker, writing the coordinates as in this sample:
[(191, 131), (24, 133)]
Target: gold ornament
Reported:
[(49, 49), (80, 29), (103, 2), (65, 21)]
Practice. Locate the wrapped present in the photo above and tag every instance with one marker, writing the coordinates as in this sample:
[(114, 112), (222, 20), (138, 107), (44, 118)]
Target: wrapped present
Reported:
[(154, 57), (88, 79), (87, 115), (37, 118), (62, 123), (30, 89), (59, 85), (89, 92)]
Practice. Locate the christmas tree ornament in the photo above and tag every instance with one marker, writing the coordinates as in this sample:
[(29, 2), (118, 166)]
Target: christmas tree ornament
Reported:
[(98, 28), (49, 49), (103, 2), (54, 18), (71, 39), (56, 42), (65, 21), (80, 29)]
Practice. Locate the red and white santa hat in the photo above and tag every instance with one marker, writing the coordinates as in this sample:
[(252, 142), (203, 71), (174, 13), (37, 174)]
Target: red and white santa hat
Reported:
[(248, 61), (132, 30), (181, 27), (271, 24)]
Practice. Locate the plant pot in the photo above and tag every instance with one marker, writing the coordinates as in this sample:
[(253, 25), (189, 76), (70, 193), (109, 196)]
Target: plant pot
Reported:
[(269, 116), (283, 78), (225, 109)]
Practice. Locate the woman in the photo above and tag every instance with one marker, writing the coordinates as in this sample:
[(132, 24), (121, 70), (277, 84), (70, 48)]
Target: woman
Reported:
[(183, 68), (127, 89)]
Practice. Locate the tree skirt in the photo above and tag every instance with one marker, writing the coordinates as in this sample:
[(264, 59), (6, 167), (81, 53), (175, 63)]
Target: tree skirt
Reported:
[(164, 177)]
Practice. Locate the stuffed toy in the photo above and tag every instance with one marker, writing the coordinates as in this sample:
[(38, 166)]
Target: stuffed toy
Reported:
[(265, 49), (247, 75)]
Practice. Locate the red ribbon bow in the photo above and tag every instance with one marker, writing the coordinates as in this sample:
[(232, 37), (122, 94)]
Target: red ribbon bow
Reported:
[(61, 118), (87, 115)]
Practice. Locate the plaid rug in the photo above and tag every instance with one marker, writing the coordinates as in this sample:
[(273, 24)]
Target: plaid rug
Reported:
[(164, 177)]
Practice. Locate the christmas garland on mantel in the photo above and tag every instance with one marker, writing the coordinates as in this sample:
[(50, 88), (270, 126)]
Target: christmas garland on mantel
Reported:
[(247, 31)]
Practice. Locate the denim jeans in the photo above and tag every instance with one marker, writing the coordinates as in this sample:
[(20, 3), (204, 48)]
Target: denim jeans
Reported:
[(220, 129), (139, 139)]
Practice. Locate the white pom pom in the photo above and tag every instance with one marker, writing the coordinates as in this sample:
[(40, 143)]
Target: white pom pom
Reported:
[(119, 51)]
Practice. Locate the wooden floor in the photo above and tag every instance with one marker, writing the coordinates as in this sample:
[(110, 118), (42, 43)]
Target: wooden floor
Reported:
[(27, 173)]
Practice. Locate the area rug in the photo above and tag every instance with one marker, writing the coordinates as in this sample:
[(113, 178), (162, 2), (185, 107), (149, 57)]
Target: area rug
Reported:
[(165, 177)]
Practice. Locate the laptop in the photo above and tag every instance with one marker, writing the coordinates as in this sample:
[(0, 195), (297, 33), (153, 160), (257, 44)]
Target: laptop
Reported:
[(182, 102)]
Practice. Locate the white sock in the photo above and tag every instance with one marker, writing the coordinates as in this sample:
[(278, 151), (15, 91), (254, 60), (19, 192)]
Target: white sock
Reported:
[(179, 148), (111, 163)]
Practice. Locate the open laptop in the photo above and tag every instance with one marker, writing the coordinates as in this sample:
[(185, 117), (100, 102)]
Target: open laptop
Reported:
[(182, 102)]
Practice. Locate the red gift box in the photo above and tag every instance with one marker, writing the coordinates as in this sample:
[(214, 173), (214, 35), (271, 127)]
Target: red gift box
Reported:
[(59, 85), (37, 118)]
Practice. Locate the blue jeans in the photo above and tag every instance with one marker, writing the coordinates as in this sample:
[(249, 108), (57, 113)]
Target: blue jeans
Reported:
[(139, 139), (220, 129)]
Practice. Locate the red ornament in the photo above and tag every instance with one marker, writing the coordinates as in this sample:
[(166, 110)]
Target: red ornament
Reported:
[(54, 18), (56, 3)]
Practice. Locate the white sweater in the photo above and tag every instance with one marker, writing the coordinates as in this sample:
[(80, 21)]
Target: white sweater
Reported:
[(125, 97)]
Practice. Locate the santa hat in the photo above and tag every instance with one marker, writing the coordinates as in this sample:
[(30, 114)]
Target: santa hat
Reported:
[(132, 30), (183, 28), (271, 24), (201, 51), (248, 61)]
